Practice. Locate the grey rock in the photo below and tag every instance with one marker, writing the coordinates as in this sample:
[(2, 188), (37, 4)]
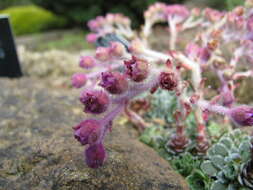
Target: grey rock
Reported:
[(38, 151)]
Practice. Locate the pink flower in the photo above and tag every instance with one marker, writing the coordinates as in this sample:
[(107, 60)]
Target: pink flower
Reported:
[(114, 82), (242, 115), (88, 131), (91, 38), (156, 11), (178, 11), (95, 101), (103, 53), (136, 47), (93, 25), (78, 80), (95, 155), (87, 62), (213, 15), (192, 50), (117, 49), (137, 69)]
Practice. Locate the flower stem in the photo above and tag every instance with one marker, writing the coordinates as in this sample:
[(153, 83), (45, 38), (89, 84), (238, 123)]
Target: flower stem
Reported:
[(213, 108)]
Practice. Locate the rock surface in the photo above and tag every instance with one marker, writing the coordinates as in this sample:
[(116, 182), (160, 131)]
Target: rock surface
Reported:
[(38, 151)]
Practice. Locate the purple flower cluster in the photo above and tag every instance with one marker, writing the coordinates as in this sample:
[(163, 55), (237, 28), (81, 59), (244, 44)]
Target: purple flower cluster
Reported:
[(124, 66)]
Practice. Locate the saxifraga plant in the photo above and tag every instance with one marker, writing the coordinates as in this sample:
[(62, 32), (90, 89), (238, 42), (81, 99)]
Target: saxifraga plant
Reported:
[(229, 162), (124, 66)]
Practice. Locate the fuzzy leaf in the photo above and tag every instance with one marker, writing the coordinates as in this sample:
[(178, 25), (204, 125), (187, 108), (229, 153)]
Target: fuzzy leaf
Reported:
[(218, 161), (220, 149), (233, 157), (217, 185), (226, 141), (232, 187), (208, 168), (163, 105), (230, 171), (222, 178), (211, 152), (215, 130), (245, 152)]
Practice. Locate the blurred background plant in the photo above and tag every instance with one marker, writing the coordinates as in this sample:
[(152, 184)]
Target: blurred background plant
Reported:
[(68, 14), (32, 19), (8, 3), (79, 11)]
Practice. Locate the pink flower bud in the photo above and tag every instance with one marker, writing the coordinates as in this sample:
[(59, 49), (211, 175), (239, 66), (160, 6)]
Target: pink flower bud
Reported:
[(103, 53), (91, 38), (100, 20), (196, 12), (237, 21), (114, 82), (95, 101), (117, 49), (242, 115), (88, 131), (213, 15), (93, 25), (110, 17), (126, 21), (95, 155), (137, 69), (192, 50), (147, 14), (238, 11), (78, 80), (168, 81), (179, 11), (87, 62), (136, 47)]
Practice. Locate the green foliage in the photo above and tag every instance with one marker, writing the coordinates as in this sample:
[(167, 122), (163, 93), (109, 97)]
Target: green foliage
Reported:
[(80, 11), (219, 169), (233, 3), (198, 180), (224, 4), (154, 137), (7, 3), (32, 19), (163, 105), (217, 4), (216, 130), (185, 163), (225, 159)]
